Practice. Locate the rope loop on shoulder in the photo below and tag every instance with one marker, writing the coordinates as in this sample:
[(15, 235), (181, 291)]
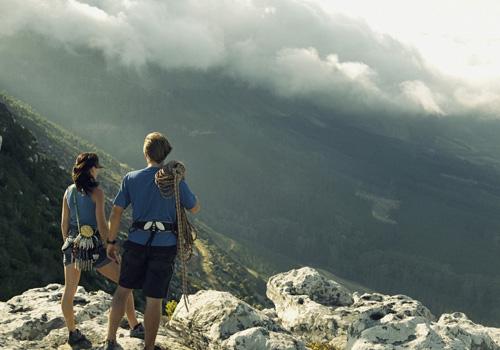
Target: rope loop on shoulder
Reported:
[(168, 180)]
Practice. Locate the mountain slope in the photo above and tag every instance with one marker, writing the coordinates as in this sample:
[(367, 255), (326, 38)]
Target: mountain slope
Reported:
[(37, 149), (29, 236), (397, 203)]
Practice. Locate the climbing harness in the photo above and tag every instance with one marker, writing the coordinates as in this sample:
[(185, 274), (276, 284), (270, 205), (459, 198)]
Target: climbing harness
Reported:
[(168, 179), (153, 225)]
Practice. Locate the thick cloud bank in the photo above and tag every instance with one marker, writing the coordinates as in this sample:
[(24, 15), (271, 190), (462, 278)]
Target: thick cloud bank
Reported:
[(294, 48)]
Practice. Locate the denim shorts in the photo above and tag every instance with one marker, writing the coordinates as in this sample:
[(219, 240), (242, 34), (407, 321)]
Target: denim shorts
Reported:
[(101, 261)]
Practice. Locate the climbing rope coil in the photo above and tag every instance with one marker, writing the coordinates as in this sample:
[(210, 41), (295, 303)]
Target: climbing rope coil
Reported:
[(168, 179)]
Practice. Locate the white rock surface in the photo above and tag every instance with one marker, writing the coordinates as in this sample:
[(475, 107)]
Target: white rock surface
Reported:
[(33, 320), (465, 334), (215, 316), (409, 333), (399, 322), (304, 313), (370, 310), (259, 338), (373, 321), (305, 303), (307, 281), (451, 332)]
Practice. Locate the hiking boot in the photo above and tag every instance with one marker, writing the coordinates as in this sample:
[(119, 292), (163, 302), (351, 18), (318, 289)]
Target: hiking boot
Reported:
[(137, 331), (111, 345), (78, 341), (157, 348)]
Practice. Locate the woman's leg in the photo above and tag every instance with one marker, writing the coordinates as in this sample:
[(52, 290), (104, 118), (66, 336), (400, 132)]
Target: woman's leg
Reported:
[(112, 272), (71, 279)]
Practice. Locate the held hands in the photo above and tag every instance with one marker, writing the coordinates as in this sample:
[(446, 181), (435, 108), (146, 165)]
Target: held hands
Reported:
[(112, 253)]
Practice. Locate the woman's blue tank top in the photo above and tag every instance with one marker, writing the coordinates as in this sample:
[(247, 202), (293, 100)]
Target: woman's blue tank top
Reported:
[(86, 208)]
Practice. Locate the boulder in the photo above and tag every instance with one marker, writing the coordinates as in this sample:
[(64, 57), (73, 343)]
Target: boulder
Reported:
[(373, 309), (305, 303), (214, 316), (462, 333), (408, 333), (309, 309), (318, 310), (33, 320), (259, 338), (307, 281)]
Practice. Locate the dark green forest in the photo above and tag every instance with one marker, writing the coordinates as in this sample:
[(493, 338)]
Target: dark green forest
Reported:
[(31, 188), (28, 186)]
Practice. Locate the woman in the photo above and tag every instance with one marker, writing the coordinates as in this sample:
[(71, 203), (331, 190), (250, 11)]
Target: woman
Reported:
[(83, 206)]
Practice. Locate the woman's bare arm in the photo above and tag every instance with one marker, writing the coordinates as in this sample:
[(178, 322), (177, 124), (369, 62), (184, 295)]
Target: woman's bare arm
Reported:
[(102, 225), (65, 217)]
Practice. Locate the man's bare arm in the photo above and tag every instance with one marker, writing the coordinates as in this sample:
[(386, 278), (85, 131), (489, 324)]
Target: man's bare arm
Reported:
[(114, 226), (196, 208), (114, 222)]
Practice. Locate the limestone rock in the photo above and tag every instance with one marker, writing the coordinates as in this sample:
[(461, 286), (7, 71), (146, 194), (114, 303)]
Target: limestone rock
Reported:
[(214, 316), (271, 313), (309, 308), (33, 320), (408, 333), (399, 322), (465, 334), (371, 321), (305, 303), (308, 281), (259, 338), (370, 310)]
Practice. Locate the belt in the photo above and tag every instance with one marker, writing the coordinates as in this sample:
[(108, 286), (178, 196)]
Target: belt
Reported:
[(153, 226)]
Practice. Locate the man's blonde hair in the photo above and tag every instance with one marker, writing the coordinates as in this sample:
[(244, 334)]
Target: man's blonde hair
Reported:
[(156, 147)]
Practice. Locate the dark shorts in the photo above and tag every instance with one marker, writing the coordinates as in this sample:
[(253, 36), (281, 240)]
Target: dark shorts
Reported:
[(148, 269), (101, 261)]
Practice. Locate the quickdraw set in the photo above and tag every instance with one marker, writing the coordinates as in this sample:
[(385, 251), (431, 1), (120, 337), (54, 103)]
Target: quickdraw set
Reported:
[(85, 244)]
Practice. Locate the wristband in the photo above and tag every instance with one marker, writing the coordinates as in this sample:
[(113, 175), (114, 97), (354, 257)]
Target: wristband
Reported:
[(111, 242)]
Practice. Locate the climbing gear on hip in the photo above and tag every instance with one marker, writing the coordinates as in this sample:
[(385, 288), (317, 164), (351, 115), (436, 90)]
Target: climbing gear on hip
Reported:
[(68, 242), (85, 244), (153, 226), (168, 179)]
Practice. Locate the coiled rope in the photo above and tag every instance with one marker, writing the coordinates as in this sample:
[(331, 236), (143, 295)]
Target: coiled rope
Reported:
[(168, 179)]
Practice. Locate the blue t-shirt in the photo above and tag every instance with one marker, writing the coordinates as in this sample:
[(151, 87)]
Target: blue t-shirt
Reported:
[(139, 189), (86, 208)]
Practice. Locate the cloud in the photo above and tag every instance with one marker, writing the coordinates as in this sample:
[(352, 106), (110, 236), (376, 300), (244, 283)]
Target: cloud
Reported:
[(417, 92), (484, 97), (293, 48), (134, 33), (302, 72)]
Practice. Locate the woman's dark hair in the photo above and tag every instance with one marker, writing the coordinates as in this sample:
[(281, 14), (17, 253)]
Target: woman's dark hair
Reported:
[(81, 172)]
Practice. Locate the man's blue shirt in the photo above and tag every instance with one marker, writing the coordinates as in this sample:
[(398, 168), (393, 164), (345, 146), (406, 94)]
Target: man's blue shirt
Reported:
[(139, 189)]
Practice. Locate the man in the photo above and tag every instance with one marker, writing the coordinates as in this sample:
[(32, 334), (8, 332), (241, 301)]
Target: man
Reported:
[(149, 253)]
